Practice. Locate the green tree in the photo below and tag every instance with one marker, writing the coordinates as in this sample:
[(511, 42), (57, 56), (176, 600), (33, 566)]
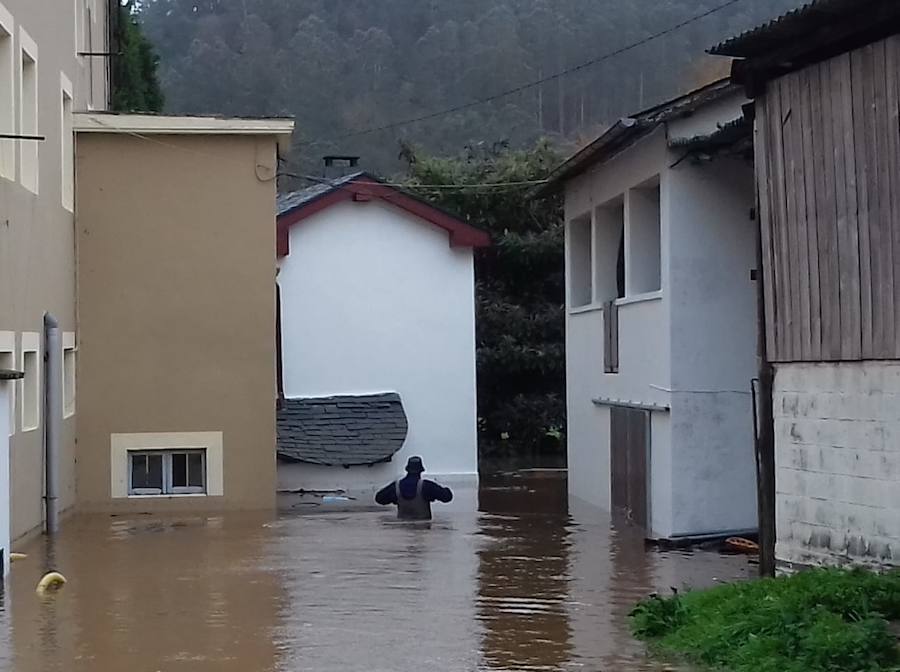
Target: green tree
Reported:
[(137, 87), (520, 325)]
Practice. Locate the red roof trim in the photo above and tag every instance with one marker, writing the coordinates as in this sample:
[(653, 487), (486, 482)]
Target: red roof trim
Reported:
[(367, 189)]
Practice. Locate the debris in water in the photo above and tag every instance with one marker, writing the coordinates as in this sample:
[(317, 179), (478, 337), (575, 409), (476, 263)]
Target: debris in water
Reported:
[(741, 545), (52, 581)]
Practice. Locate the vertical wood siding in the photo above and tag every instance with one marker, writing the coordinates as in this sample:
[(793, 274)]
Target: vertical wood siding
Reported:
[(828, 170)]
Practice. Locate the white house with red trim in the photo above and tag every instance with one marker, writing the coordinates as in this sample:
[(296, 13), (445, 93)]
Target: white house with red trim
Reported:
[(376, 335)]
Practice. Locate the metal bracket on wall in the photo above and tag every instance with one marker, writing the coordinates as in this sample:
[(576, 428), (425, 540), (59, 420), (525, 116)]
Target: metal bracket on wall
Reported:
[(636, 405), (18, 136)]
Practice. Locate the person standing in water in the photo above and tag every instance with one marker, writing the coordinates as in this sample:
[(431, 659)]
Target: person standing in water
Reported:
[(413, 494)]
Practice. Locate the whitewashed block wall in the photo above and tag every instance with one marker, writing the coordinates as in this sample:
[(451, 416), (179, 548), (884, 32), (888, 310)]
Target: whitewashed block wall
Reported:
[(837, 454)]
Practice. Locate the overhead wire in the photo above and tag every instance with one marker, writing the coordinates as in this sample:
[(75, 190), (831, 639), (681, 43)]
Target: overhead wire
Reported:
[(527, 85), (415, 186)]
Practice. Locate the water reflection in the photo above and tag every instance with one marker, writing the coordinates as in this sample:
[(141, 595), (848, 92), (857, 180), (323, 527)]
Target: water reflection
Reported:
[(527, 582), (523, 575)]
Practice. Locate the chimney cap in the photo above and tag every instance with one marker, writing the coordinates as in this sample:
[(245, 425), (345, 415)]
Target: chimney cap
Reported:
[(331, 158)]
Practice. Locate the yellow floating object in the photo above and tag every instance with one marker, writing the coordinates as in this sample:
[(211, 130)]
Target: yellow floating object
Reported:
[(741, 545), (17, 556), (51, 581)]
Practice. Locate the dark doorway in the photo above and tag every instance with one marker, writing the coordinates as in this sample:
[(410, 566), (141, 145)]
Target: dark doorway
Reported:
[(629, 456)]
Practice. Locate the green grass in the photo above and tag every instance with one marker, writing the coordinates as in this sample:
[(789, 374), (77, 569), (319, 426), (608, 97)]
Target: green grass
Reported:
[(825, 620)]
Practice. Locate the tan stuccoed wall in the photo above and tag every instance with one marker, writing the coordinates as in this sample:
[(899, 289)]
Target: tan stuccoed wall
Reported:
[(176, 269), (37, 257)]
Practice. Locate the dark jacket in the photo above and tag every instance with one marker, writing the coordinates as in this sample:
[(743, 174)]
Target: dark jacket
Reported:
[(431, 491)]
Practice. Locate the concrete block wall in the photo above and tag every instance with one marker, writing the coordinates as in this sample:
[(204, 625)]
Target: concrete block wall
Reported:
[(837, 455)]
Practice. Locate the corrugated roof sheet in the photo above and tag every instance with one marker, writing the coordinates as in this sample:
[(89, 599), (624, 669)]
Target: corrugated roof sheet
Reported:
[(628, 130), (800, 23), (342, 430)]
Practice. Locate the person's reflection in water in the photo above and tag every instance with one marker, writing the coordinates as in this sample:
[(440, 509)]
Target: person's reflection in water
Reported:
[(413, 494)]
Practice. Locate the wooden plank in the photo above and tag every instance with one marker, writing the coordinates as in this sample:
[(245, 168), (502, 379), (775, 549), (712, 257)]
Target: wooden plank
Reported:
[(883, 221), (892, 65), (618, 458), (784, 352), (872, 197), (767, 272), (797, 195), (807, 104), (614, 336), (857, 76), (825, 213), (845, 193), (793, 243)]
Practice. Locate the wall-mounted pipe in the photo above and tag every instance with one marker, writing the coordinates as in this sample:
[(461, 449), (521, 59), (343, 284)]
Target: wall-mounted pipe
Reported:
[(53, 383)]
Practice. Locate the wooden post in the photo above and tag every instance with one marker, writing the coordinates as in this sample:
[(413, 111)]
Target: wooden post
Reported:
[(765, 441)]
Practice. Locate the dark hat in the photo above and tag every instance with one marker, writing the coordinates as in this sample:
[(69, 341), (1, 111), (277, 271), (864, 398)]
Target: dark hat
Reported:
[(414, 465)]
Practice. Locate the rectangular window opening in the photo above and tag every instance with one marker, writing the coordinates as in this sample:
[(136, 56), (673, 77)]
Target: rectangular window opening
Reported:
[(7, 98), (643, 268), (8, 361), (68, 150), (580, 261), (28, 110), (609, 233), (167, 472), (31, 390), (69, 382)]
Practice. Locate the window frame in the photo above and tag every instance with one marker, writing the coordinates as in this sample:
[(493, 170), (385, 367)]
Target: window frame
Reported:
[(67, 143), (31, 345), (8, 347), (69, 374), (168, 489), (29, 150), (8, 51)]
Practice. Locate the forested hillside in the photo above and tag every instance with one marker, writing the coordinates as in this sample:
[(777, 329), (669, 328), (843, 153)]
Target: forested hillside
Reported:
[(341, 66)]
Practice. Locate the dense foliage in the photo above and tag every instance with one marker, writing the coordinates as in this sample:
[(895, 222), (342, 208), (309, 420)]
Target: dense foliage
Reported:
[(818, 621), (339, 66), (519, 291), (135, 75)]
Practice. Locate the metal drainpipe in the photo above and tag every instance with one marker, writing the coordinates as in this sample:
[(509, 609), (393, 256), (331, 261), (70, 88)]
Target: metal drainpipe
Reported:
[(52, 418)]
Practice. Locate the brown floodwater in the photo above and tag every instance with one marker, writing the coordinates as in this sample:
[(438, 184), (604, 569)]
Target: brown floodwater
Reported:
[(514, 577)]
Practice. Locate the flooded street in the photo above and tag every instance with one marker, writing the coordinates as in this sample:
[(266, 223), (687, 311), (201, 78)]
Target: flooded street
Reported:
[(529, 582)]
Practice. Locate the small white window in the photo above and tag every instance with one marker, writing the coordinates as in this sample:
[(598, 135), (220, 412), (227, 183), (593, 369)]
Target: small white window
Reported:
[(8, 361), (643, 240), (580, 261), (68, 374), (7, 96), (29, 150), (167, 472), (31, 390), (68, 145)]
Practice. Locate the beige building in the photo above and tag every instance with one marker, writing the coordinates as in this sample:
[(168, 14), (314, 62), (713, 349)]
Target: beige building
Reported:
[(165, 296), (43, 79), (176, 312)]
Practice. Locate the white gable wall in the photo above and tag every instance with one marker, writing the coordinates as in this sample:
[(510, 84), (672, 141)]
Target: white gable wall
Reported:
[(376, 300)]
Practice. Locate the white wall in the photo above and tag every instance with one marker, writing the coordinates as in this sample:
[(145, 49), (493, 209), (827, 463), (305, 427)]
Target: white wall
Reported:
[(713, 334), (375, 300), (691, 346), (5, 388), (643, 346), (837, 460)]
